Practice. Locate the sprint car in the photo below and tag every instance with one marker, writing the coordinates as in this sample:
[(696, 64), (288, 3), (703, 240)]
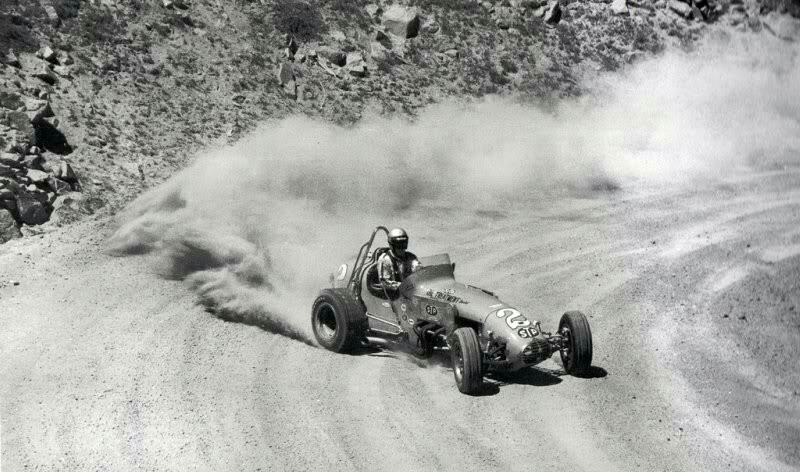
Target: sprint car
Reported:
[(430, 311)]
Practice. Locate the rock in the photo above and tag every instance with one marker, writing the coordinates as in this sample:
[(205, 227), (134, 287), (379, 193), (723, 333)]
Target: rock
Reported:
[(378, 52), (12, 59), (167, 3), (37, 110), (782, 26), (33, 161), (47, 54), (7, 171), (60, 187), (67, 208), (52, 15), (31, 208), (401, 21), (37, 176), (44, 74), (10, 160), (338, 35), (384, 39), (357, 70), (285, 73), (64, 58), (354, 57), (430, 26), (680, 8), (10, 100), (335, 57), (452, 53), (527, 4), (64, 172), (619, 7), (373, 10), (134, 168), (291, 89), (9, 229), (553, 14), (20, 121), (63, 71)]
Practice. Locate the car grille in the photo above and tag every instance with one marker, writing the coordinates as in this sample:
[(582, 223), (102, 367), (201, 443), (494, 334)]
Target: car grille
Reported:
[(537, 351)]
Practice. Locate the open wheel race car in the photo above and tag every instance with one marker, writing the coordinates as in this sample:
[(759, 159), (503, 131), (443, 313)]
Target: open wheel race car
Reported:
[(431, 310)]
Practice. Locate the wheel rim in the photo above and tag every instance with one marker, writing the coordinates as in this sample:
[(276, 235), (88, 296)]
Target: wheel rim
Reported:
[(325, 322), (566, 352), (458, 364)]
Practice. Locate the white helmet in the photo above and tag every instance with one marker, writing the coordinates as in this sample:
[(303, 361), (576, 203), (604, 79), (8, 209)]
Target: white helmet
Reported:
[(398, 239)]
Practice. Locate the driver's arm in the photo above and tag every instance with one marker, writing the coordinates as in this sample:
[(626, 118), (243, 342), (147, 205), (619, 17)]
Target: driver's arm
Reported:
[(386, 273)]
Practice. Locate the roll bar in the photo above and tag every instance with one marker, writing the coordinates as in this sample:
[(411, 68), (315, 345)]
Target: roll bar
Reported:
[(354, 284)]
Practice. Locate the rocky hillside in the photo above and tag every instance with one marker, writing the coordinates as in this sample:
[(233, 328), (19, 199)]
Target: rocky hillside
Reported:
[(100, 99)]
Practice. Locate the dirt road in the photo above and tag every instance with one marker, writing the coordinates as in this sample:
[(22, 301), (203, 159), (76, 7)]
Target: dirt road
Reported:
[(693, 299)]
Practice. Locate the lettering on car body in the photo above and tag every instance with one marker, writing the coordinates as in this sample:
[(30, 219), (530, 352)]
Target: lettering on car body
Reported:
[(527, 332), (445, 296), (514, 319)]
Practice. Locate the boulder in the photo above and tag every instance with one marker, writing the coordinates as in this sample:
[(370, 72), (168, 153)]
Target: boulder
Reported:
[(10, 160), (680, 8), (47, 54), (31, 207), (782, 26), (37, 176), (9, 229), (60, 187), (354, 57), (373, 10), (384, 39), (285, 73), (7, 171), (67, 208), (64, 172), (33, 161), (291, 89), (52, 15), (12, 59), (38, 110), (357, 70), (10, 100), (378, 52), (44, 74), (64, 58), (401, 21), (619, 7), (334, 56), (20, 121), (63, 71), (553, 14)]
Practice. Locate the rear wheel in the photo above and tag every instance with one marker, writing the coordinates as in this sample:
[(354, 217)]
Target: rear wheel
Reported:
[(576, 355), (338, 320), (467, 360)]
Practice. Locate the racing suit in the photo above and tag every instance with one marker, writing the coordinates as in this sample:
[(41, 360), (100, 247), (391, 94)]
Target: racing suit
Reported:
[(393, 269)]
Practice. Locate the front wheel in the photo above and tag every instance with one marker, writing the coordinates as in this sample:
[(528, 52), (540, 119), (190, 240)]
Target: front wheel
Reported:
[(467, 360), (576, 353)]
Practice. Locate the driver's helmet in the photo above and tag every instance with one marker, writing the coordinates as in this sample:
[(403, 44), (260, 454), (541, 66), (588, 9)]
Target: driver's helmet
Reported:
[(398, 239)]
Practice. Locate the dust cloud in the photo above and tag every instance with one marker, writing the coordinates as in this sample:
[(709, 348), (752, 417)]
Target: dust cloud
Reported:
[(256, 228)]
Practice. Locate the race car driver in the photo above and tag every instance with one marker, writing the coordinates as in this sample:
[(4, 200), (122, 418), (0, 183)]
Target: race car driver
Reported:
[(397, 263)]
